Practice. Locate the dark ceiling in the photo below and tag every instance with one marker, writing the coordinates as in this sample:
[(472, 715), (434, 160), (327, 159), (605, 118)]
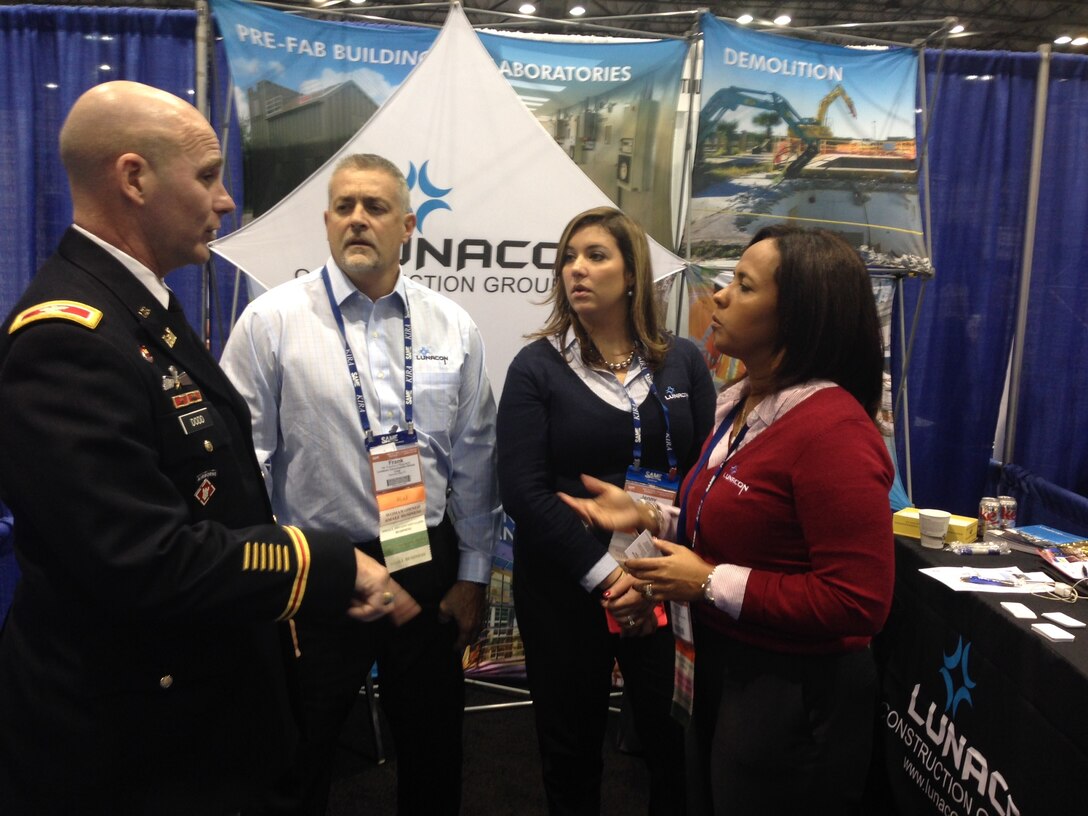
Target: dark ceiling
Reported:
[(993, 25)]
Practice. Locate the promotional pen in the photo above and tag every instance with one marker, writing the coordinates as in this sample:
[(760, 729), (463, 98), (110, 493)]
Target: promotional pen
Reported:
[(995, 548), (978, 579)]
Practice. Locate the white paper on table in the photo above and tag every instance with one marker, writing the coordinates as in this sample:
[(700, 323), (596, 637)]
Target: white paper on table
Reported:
[(952, 577)]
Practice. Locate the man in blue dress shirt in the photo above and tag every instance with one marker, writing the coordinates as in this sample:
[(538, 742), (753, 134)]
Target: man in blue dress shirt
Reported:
[(373, 417)]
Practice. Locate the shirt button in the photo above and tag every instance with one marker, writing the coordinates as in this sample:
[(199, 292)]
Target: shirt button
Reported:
[(208, 446), (166, 681)]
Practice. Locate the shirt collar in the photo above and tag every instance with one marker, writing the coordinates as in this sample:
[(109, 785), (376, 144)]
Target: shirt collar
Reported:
[(568, 343), (154, 284), (343, 288), (772, 407)]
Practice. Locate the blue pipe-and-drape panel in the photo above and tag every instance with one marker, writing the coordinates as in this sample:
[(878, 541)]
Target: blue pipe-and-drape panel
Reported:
[(1052, 424), (49, 55), (981, 106), (1040, 500)]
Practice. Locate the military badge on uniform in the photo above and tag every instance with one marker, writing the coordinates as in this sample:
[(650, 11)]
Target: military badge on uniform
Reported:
[(204, 491), (175, 379), (146, 354), (169, 337), (188, 398), (143, 311)]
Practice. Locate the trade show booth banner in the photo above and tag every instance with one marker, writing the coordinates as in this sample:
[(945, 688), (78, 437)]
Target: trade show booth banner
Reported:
[(491, 190), (803, 132), (304, 87)]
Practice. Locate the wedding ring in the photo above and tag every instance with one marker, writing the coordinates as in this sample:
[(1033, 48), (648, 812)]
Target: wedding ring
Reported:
[(648, 592), (387, 598)]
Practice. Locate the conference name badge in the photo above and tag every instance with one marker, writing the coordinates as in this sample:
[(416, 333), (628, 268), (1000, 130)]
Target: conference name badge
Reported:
[(651, 485), (402, 502)]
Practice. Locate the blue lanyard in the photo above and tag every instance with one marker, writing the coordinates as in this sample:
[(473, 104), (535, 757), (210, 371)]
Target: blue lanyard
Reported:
[(723, 428), (636, 419), (356, 381)]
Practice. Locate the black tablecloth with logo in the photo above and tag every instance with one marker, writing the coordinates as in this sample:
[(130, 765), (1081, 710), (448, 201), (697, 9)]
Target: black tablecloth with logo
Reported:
[(979, 715)]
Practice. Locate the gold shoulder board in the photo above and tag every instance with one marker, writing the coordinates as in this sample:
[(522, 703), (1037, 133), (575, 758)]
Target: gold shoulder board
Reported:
[(79, 313)]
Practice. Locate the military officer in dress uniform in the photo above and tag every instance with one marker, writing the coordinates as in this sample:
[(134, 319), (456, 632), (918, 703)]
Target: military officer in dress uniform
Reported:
[(142, 668)]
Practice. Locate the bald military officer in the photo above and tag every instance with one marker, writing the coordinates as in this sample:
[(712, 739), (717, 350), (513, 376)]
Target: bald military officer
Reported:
[(145, 663)]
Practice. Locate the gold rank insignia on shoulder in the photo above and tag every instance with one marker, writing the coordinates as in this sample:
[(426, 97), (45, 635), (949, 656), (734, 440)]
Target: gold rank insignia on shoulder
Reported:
[(169, 337), (79, 313)]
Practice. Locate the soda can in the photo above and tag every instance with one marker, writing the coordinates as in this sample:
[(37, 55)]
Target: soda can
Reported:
[(1008, 511), (989, 515)]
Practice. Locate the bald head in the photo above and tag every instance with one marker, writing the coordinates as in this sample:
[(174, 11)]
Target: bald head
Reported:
[(121, 117), (144, 169)]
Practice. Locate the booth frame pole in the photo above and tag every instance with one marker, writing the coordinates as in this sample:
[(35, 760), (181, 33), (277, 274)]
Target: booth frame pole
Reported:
[(200, 84), (1042, 85)]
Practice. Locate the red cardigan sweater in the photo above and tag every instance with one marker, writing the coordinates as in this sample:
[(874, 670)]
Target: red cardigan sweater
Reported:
[(805, 506)]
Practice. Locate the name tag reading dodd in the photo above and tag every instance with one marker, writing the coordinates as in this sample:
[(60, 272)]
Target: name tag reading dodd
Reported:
[(402, 501)]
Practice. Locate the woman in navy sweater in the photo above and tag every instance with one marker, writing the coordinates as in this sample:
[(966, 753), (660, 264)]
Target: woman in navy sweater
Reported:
[(602, 389), (791, 568)]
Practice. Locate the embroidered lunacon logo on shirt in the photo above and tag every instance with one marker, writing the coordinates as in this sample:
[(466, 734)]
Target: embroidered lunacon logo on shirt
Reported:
[(434, 193), (732, 479), (425, 354), (671, 394)]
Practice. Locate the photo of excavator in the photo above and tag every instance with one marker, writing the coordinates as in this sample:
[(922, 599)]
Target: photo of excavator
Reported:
[(806, 132)]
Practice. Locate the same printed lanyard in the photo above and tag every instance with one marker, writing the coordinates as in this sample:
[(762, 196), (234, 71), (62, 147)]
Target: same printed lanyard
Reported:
[(407, 435), (719, 434), (636, 419)]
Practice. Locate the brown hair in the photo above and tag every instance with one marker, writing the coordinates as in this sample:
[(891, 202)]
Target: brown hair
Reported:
[(643, 315)]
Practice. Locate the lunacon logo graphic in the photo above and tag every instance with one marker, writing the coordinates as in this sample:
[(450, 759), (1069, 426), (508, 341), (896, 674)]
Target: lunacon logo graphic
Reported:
[(954, 695), (434, 193), (426, 354)]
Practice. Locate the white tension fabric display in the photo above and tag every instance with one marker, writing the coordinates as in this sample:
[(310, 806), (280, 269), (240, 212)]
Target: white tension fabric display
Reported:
[(491, 189)]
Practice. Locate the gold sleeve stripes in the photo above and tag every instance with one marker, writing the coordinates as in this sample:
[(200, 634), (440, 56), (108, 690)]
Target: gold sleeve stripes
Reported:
[(264, 556), (302, 572), (261, 556)]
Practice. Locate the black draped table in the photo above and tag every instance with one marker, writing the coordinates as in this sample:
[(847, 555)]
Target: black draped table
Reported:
[(979, 714)]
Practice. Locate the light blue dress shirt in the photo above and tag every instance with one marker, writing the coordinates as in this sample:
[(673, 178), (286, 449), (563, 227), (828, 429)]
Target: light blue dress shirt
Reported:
[(286, 357)]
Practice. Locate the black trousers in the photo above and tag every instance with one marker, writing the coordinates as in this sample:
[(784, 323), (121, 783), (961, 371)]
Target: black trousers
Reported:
[(779, 733), (422, 691), (569, 655)]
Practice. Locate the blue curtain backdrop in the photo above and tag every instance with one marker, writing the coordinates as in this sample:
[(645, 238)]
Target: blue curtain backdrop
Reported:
[(982, 104), (49, 55), (1052, 431)]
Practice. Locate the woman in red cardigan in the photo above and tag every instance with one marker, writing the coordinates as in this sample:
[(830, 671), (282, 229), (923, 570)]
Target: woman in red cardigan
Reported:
[(786, 552)]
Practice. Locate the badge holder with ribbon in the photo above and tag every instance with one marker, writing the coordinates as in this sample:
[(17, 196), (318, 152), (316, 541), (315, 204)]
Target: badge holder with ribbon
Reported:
[(645, 484), (684, 663), (394, 462)]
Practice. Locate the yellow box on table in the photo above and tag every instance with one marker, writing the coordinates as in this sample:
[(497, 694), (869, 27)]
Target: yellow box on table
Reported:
[(960, 528)]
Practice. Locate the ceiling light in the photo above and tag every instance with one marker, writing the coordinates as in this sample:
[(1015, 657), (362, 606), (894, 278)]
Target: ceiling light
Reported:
[(577, 11), (782, 20), (956, 29), (1062, 40), (1080, 41), (744, 19), (357, 2), (527, 8)]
